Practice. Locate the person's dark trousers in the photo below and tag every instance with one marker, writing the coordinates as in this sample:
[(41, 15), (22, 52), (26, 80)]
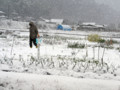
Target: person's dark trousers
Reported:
[(33, 41)]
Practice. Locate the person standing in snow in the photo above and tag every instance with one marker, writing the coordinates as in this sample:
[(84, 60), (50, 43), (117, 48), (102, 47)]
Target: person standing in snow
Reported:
[(33, 34)]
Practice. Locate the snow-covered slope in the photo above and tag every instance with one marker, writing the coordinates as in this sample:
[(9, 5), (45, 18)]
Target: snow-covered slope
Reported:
[(10, 24)]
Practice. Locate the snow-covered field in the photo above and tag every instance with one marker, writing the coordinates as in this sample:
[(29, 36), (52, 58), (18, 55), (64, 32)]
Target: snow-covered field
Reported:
[(58, 67)]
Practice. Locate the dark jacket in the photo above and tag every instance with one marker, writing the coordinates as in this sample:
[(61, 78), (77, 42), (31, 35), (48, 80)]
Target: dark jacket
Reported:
[(33, 30)]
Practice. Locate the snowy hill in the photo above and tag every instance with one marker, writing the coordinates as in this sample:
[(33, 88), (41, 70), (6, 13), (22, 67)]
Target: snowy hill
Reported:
[(10, 24)]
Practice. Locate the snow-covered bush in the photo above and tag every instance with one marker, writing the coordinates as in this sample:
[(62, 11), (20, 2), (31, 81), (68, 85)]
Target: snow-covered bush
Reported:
[(93, 38), (76, 45), (101, 41)]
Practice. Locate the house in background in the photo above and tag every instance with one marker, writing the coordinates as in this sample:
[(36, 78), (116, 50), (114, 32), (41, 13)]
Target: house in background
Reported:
[(55, 24), (2, 15), (64, 27), (52, 21), (57, 21), (91, 26), (49, 23)]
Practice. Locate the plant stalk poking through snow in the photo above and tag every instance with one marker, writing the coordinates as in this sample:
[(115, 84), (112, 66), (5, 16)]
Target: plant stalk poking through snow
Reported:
[(12, 44)]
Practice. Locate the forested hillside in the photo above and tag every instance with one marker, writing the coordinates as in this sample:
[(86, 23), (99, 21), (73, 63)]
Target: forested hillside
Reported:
[(73, 10)]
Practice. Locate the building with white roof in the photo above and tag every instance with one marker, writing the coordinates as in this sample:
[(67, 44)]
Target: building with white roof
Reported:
[(91, 26), (56, 21)]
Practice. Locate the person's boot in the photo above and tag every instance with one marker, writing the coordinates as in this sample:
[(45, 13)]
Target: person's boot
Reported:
[(36, 46)]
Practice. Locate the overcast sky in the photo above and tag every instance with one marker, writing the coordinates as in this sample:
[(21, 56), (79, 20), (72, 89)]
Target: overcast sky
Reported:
[(112, 3)]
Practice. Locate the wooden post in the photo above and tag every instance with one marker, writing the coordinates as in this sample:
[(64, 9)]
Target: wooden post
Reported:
[(98, 52), (103, 56), (86, 50), (93, 52), (119, 47), (86, 46), (38, 51)]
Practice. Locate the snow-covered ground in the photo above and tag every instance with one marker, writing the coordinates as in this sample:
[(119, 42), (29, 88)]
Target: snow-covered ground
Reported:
[(21, 81), (59, 67)]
